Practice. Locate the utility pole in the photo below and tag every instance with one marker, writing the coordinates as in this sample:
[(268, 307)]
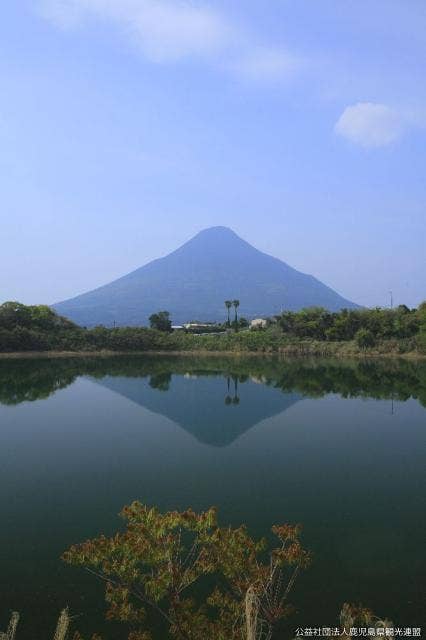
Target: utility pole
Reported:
[(391, 299)]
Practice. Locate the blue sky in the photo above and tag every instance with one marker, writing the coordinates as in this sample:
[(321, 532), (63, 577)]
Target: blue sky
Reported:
[(126, 126)]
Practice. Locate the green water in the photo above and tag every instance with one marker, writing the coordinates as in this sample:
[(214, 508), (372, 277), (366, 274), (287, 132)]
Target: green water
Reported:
[(338, 446)]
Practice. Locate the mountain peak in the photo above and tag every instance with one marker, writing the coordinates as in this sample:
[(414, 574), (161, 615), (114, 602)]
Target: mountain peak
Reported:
[(216, 234), (212, 245), (217, 231)]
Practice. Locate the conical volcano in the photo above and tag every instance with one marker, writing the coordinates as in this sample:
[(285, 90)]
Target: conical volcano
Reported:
[(193, 282)]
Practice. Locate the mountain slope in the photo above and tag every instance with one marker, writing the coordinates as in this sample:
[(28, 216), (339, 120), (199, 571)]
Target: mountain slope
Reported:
[(193, 282)]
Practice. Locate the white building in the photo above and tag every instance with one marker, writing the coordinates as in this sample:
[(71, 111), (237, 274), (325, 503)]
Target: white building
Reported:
[(258, 323)]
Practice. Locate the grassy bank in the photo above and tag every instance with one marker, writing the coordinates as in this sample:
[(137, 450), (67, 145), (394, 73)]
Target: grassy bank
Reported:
[(242, 344)]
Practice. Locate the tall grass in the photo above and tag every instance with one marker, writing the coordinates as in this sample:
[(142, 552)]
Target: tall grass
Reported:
[(61, 632)]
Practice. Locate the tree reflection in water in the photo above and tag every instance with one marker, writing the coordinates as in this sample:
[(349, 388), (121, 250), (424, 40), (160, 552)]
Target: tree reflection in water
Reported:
[(26, 380)]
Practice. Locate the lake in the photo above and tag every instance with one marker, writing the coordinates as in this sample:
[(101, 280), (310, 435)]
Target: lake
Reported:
[(338, 446)]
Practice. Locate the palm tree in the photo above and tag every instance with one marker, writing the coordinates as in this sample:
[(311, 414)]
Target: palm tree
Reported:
[(236, 304), (235, 399), (228, 305), (228, 399)]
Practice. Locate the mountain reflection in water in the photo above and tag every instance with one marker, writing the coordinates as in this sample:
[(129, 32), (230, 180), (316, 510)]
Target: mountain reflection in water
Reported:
[(182, 388)]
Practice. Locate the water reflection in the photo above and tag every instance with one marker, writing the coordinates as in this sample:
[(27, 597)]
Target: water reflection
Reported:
[(228, 399), (203, 395), (27, 380), (196, 402), (245, 434)]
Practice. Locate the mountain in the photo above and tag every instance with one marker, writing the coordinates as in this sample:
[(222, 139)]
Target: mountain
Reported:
[(193, 282)]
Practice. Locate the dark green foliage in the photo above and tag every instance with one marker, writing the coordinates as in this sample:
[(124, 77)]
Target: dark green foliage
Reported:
[(313, 331), (365, 338), (421, 338), (160, 321), (161, 381), (36, 328), (37, 317), (321, 324)]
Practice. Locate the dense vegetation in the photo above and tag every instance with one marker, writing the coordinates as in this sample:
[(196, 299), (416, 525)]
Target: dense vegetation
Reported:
[(314, 331), (363, 325), (160, 321)]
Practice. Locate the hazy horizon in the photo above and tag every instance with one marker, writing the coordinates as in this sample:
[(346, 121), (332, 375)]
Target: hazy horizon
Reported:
[(127, 127)]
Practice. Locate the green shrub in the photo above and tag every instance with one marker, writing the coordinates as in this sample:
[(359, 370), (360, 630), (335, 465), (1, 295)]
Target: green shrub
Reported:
[(365, 338)]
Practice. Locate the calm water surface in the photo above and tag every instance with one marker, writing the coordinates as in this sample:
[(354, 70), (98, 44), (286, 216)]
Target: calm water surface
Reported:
[(338, 446)]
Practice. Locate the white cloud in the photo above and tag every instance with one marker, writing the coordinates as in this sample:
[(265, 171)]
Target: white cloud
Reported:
[(267, 63), (370, 124), (172, 30), (165, 30)]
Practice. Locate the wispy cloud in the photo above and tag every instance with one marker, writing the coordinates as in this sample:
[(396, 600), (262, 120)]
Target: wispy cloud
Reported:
[(165, 30), (369, 124), (174, 30)]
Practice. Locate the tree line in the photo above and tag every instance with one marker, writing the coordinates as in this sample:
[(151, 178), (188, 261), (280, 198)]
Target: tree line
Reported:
[(313, 330), (365, 326)]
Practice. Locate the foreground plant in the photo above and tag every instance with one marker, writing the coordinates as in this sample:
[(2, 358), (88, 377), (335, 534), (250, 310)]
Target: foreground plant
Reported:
[(163, 562), (61, 632), (356, 616)]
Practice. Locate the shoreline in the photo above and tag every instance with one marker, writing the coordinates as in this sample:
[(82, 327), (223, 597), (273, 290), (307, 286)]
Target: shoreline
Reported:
[(284, 353)]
